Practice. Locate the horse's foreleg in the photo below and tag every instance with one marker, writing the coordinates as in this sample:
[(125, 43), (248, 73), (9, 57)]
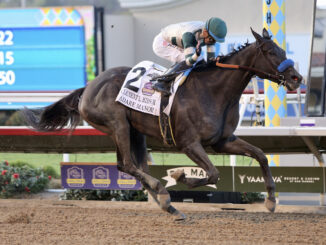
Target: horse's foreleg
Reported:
[(130, 160), (241, 147), (196, 153)]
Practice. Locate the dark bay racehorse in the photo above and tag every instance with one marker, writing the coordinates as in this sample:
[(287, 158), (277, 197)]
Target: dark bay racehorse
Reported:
[(205, 113)]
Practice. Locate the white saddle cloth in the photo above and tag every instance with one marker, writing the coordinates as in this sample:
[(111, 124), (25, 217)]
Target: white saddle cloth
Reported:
[(137, 92)]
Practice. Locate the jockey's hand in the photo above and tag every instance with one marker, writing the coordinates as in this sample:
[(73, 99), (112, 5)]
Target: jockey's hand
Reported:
[(213, 60), (198, 48)]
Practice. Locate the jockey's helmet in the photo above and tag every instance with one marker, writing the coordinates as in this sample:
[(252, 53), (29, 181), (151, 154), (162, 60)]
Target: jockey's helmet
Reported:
[(217, 29)]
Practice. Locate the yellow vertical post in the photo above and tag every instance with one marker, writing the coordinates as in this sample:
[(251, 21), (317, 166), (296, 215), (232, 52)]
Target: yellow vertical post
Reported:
[(275, 97)]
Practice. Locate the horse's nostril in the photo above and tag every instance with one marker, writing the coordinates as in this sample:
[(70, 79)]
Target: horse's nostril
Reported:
[(295, 78)]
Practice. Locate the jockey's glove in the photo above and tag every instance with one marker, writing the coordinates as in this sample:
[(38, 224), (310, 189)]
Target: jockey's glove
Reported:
[(198, 48)]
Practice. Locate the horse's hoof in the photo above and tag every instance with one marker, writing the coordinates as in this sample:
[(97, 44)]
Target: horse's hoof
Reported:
[(270, 204), (178, 174), (180, 216)]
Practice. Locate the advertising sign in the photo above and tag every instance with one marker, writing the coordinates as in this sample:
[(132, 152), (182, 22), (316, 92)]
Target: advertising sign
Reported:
[(248, 179), (239, 179), (46, 49), (96, 176), (287, 179), (163, 173)]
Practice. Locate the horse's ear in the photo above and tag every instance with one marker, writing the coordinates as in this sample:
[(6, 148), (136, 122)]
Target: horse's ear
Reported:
[(266, 34), (256, 35)]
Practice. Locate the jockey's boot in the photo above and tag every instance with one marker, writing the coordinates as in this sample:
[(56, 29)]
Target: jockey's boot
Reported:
[(164, 81)]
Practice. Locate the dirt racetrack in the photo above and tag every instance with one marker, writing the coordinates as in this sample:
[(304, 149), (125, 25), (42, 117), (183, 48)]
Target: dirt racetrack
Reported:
[(51, 221)]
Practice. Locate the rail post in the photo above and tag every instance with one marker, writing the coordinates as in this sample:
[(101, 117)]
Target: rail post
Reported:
[(275, 97)]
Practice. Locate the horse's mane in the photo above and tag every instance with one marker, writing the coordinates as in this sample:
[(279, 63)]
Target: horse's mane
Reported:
[(222, 58)]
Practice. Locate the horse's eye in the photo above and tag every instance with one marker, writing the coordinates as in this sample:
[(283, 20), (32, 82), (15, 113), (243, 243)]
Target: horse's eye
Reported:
[(271, 52)]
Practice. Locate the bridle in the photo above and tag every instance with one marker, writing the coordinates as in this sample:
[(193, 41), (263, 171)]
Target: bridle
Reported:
[(278, 76)]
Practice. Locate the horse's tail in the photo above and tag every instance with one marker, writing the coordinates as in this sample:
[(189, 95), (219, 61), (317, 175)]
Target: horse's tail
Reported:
[(55, 116)]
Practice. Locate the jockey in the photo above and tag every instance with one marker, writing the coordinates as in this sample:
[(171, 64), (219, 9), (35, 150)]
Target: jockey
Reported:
[(181, 44)]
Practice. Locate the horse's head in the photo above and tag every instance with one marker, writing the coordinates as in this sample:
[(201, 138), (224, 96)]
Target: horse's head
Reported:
[(272, 59)]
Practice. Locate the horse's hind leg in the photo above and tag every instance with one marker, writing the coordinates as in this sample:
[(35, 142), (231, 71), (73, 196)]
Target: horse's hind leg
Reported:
[(196, 153), (139, 149), (139, 155), (142, 164), (241, 147), (135, 152)]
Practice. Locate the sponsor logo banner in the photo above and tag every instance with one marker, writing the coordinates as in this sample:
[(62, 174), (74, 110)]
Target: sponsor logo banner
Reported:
[(76, 176), (248, 179), (163, 173), (287, 179), (190, 172), (241, 179)]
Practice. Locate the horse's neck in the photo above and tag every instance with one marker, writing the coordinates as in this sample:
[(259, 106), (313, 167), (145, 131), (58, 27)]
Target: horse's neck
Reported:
[(238, 80)]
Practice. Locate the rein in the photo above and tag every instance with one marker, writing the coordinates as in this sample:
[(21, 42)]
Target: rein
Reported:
[(278, 77)]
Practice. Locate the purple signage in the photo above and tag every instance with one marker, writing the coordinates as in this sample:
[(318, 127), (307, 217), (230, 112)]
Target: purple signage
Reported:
[(82, 176)]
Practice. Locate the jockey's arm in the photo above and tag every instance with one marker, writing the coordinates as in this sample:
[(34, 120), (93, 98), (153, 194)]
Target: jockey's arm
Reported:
[(192, 49), (189, 44)]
